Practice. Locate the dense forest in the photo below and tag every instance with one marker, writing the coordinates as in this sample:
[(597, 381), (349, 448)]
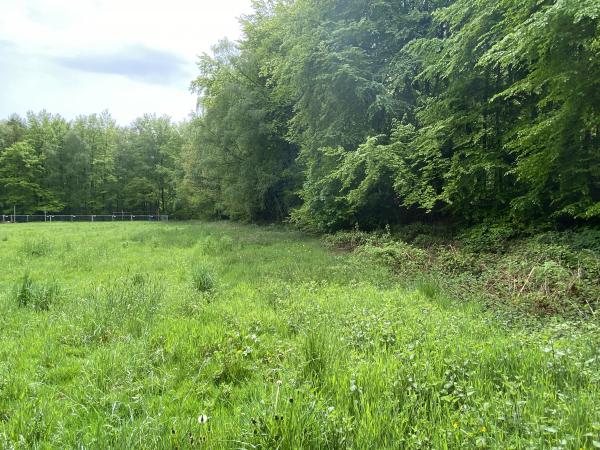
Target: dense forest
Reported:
[(337, 113)]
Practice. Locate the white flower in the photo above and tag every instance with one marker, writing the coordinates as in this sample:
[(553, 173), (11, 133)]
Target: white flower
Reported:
[(202, 419)]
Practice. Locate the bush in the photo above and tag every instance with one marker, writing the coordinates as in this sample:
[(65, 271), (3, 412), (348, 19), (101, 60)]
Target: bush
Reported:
[(400, 256), (488, 237), (347, 240)]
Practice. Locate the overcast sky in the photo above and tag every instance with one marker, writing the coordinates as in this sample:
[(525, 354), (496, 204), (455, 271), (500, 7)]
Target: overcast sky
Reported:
[(128, 56)]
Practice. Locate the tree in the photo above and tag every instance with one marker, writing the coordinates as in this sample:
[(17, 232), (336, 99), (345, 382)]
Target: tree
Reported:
[(20, 171)]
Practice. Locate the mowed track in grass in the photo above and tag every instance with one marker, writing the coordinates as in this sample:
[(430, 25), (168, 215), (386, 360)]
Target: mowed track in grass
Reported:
[(123, 335)]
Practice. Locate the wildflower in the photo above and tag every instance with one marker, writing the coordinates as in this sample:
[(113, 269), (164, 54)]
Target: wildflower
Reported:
[(483, 429), (455, 425), (202, 419)]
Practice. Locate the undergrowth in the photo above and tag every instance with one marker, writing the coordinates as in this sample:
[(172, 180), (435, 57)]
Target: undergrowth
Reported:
[(556, 273)]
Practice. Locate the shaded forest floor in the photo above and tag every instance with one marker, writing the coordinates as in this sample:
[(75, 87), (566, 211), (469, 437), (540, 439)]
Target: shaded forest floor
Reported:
[(125, 335)]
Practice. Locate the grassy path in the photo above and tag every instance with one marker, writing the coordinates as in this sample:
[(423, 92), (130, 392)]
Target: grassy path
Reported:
[(124, 335)]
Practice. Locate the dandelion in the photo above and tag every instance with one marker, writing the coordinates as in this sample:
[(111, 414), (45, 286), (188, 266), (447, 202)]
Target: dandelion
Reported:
[(202, 419), (455, 425)]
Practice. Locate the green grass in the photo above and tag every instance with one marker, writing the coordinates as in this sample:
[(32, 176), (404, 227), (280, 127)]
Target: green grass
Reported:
[(123, 335)]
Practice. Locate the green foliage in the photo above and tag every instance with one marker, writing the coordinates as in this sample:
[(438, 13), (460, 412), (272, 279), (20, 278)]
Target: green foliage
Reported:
[(88, 165), (547, 273), (237, 162), (461, 110), (20, 172), (337, 113), (488, 237)]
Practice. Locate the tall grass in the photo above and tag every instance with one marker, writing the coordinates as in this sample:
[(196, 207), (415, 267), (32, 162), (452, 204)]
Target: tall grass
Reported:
[(299, 348), (37, 296)]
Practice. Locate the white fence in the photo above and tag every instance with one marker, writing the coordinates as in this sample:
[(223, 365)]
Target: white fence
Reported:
[(12, 218)]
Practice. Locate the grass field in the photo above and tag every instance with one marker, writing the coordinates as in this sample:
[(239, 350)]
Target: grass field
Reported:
[(191, 335)]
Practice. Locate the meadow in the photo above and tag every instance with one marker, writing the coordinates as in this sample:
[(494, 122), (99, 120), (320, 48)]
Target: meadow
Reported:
[(220, 335)]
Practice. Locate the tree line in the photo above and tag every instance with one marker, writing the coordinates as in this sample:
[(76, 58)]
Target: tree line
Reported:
[(88, 165), (337, 113), (345, 112)]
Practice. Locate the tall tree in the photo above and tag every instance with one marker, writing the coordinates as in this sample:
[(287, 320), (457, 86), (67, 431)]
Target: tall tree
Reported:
[(20, 172)]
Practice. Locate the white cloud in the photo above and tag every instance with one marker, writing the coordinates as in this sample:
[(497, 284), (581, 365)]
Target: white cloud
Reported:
[(71, 56)]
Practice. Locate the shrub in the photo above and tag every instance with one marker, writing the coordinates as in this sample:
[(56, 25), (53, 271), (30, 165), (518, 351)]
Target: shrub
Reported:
[(400, 256), (347, 240), (488, 237)]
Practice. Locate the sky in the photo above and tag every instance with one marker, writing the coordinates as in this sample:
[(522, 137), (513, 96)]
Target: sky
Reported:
[(130, 57)]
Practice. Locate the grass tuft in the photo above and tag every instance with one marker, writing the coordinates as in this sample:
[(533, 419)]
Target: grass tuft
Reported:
[(202, 279), (37, 247), (36, 296)]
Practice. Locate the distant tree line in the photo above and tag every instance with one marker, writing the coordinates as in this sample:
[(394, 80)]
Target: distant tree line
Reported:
[(88, 165), (334, 113)]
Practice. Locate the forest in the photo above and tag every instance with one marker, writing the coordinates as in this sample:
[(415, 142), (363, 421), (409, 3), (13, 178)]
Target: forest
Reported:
[(334, 114), (88, 165)]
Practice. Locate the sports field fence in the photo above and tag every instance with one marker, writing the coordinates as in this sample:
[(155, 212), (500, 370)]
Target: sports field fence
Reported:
[(120, 217)]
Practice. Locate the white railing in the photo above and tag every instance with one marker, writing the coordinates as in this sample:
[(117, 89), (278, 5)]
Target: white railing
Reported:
[(24, 218)]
